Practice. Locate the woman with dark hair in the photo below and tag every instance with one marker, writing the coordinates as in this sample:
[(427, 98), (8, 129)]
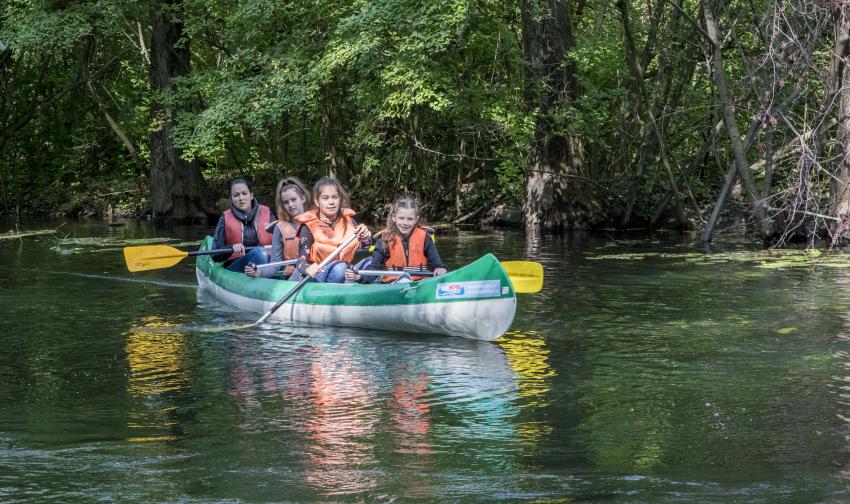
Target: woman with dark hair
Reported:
[(326, 228), (291, 198), (241, 227)]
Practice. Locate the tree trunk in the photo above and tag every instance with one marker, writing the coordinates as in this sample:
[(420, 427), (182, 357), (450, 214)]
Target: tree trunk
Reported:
[(644, 111), (728, 180), (553, 199), (334, 163), (116, 128), (416, 147), (633, 117), (839, 82), (87, 53), (768, 161), (5, 54), (741, 165), (283, 142), (177, 187)]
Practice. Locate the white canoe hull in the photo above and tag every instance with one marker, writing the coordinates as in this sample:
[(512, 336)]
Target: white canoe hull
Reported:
[(485, 319)]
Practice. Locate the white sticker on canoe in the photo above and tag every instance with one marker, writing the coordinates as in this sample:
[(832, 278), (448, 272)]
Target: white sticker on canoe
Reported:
[(463, 290)]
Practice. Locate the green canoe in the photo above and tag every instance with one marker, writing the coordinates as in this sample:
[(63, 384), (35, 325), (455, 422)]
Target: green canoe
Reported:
[(476, 301)]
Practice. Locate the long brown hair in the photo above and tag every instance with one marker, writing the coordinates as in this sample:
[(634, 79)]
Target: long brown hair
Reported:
[(343, 196), (391, 231), (285, 184)]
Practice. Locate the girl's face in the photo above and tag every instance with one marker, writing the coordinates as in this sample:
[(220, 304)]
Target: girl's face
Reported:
[(241, 197), (293, 202), (328, 201), (405, 220)]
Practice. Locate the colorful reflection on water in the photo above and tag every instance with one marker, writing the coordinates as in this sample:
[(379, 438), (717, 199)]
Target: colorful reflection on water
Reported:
[(156, 369), (355, 407)]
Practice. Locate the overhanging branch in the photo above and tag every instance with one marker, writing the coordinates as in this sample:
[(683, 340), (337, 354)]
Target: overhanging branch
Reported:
[(23, 121)]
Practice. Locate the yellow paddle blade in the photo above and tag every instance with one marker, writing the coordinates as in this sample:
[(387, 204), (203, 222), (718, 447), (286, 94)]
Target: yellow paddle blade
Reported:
[(527, 276), (150, 257)]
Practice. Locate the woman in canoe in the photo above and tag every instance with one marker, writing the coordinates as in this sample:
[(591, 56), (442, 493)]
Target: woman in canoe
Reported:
[(326, 228), (241, 227), (403, 245), (292, 198)]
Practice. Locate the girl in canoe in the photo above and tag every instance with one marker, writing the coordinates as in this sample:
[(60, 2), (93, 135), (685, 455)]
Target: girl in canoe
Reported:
[(292, 198), (241, 227), (403, 245), (324, 229)]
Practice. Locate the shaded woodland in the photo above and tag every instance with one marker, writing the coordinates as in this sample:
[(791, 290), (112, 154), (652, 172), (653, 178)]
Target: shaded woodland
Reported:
[(706, 115)]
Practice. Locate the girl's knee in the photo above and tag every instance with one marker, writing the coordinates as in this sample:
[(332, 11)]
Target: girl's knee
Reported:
[(258, 255), (336, 272)]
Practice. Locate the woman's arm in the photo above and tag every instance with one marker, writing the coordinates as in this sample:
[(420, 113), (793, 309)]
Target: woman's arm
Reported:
[(277, 246), (379, 256), (363, 233), (434, 257), (277, 255), (376, 262), (305, 241), (219, 241)]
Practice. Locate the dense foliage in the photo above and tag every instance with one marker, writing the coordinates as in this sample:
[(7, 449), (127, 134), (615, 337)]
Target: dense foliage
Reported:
[(436, 99)]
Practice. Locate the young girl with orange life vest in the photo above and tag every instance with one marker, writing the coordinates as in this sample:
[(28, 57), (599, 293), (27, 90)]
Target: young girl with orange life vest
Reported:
[(291, 199), (403, 244), (241, 227), (326, 228)]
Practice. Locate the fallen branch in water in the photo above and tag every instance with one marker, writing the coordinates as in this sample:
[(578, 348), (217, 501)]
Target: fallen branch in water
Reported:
[(10, 235)]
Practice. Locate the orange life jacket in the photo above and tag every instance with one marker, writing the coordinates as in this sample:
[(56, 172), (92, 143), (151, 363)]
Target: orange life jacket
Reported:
[(290, 244), (327, 239), (233, 232), (415, 254)]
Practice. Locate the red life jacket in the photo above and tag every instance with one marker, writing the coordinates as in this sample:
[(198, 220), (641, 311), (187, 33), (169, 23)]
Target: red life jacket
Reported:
[(327, 239), (415, 254), (290, 244), (233, 232)]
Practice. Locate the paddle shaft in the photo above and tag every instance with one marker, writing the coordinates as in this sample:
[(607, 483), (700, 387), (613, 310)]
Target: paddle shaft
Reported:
[(220, 251), (304, 280), (276, 264), (526, 276), (408, 272), (148, 257)]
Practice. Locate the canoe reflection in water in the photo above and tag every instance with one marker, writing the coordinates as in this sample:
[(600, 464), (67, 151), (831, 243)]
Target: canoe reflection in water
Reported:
[(364, 403)]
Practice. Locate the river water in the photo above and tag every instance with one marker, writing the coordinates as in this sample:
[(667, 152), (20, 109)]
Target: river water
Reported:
[(624, 380)]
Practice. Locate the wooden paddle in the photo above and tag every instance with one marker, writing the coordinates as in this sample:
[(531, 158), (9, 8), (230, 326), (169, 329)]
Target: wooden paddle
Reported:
[(527, 276), (149, 257), (304, 281)]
